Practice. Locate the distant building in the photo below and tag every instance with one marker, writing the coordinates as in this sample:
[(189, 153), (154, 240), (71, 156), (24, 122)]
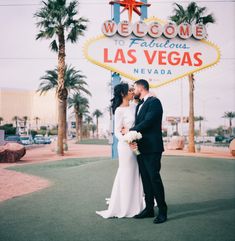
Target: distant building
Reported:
[(15, 102)]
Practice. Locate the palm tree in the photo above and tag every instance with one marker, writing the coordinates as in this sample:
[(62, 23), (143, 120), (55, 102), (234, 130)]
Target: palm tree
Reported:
[(199, 119), (97, 114), (25, 119), (36, 120), (74, 81), (1, 120), (88, 120), (80, 105), (16, 119), (229, 115), (191, 14), (83, 110), (56, 21), (93, 129)]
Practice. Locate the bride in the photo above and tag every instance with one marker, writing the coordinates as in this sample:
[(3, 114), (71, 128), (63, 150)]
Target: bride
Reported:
[(127, 193)]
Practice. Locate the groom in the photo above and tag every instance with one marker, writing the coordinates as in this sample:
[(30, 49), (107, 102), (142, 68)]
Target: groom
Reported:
[(148, 121)]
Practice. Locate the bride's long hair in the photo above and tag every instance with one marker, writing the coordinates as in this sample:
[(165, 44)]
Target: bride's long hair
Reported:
[(120, 91)]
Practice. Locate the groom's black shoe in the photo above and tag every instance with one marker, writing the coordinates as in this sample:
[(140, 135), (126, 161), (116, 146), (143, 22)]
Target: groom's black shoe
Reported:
[(145, 214), (161, 217)]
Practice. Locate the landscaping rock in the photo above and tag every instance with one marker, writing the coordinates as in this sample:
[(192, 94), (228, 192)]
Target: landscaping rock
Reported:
[(12, 152), (232, 147), (176, 143)]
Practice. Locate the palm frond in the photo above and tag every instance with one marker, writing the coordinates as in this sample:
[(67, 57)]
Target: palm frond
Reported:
[(77, 29), (55, 15), (73, 81), (207, 19), (192, 14), (54, 46)]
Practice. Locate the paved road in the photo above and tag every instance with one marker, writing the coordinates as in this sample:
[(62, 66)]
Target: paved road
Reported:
[(200, 194)]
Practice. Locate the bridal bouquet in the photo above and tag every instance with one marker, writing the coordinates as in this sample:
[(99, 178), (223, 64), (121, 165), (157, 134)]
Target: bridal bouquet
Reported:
[(131, 137)]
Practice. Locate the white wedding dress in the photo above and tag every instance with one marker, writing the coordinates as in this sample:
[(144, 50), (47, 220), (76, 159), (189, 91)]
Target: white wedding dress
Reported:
[(127, 193)]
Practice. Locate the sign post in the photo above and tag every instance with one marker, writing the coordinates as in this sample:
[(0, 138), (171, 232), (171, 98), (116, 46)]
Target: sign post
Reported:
[(116, 79)]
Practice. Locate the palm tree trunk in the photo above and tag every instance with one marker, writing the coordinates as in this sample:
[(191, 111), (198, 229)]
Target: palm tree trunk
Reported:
[(77, 126), (81, 126), (65, 125), (62, 94), (25, 124), (191, 144), (230, 126), (200, 128), (97, 127)]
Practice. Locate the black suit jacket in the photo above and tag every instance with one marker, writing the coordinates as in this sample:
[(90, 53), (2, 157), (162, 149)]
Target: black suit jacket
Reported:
[(149, 123)]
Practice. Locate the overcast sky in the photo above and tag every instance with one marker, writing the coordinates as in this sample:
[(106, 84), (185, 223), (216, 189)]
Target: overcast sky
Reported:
[(23, 59)]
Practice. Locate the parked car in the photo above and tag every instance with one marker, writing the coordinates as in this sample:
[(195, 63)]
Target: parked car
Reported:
[(14, 139), (47, 140), (227, 139), (26, 140), (39, 139)]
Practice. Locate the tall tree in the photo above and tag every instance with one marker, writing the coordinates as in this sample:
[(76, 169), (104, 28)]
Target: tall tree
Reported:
[(37, 119), (16, 119), (229, 115), (80, 105), (74, 81), (88, 120), (93, 129), (1, 120), (57, 21), (191, 14), (25, 119), (97, 114)]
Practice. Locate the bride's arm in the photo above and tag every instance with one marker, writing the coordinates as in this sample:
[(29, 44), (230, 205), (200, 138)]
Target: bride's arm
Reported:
[(118, 124)]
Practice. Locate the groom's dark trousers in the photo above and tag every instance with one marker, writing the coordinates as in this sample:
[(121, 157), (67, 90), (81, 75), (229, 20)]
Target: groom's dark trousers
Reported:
[(149, 166), (148, 121)]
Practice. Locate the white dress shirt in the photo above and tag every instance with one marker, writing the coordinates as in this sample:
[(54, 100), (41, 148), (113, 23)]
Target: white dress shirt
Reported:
[(145, 98)]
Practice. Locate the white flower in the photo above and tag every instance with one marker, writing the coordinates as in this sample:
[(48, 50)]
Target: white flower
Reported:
[(132, 136)]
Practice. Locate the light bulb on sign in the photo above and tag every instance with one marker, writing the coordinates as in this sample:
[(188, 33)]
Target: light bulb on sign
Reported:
[(140, 29), (170, 30), (124, 28), (109, 28), (184, 30), (199, 31), (155, 30)]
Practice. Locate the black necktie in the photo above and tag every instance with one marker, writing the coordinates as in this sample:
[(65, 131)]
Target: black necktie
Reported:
[(141, 102)]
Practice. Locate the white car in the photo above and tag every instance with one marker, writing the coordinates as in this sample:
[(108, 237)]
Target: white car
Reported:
[(26, 140)]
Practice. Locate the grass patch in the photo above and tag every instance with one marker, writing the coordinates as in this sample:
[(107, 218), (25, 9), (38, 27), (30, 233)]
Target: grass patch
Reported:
[(199, 191), (42, 169), (94, 142)]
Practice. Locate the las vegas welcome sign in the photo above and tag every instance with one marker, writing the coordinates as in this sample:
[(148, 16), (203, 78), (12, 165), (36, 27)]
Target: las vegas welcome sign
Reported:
[(158, 51)]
